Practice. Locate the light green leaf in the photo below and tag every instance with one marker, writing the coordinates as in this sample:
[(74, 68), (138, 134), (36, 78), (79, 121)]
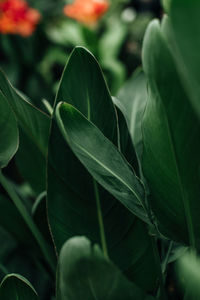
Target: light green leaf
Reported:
[(16, 287), (171, 144), (84, 273), (188, 272)]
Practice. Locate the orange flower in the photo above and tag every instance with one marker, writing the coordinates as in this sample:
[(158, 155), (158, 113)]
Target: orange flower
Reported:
[(86, 11), (16, 17)]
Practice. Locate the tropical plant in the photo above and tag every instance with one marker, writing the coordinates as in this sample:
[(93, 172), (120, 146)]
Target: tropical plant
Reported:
[(109, 198)]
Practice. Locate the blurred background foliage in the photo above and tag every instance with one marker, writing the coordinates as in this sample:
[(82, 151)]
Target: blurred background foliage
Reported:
[(34, 64)]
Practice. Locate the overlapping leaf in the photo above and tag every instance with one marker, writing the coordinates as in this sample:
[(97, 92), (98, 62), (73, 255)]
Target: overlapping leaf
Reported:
[(8, 132), (34, 131), (131, 100), (85, 274), (171, 144), (101, 158), (73, 193)]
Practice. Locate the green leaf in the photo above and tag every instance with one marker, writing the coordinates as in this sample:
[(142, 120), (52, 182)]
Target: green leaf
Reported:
[(91, 96), (132, 100), (16, 287), (186, 30), (125, 142), (101, 158), (17, 228), (77, 205), (65, 172), (188, 272), (8, 132), (34, 131), (171, 144), (84, 273)]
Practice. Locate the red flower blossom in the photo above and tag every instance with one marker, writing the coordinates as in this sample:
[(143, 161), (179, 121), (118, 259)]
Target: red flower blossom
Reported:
[(16, 17), (86, 11)]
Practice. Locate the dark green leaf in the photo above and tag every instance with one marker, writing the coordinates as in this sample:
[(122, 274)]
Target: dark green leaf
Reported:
[(186, 30), (34, 131), (8, 132), (101, 158), (73, 194), (16, 287), (65, 173), (84, 273), (17, 228), (131, 100), (171, 144)]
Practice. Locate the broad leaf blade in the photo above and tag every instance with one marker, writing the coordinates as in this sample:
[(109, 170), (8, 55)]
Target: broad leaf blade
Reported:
[(171, 144), (105, 163), (186, 29), (83, 86), (16, 287), (85, 274), (34, 131), (8, 132), (72, 193), (65, 172)]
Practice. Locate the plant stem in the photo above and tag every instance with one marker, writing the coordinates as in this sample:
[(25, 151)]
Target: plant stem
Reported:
[(159, 270), (28, 220), (100, 219)]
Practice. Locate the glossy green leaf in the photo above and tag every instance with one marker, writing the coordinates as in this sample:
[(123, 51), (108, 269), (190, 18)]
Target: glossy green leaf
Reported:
[(16, 287), (77, 205), (34, 131), (101, 158), (186, 30), (171, 144), (84, 273), (8, 132)]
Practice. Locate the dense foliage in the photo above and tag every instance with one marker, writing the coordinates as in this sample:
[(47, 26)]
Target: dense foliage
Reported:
[(104, 203)]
